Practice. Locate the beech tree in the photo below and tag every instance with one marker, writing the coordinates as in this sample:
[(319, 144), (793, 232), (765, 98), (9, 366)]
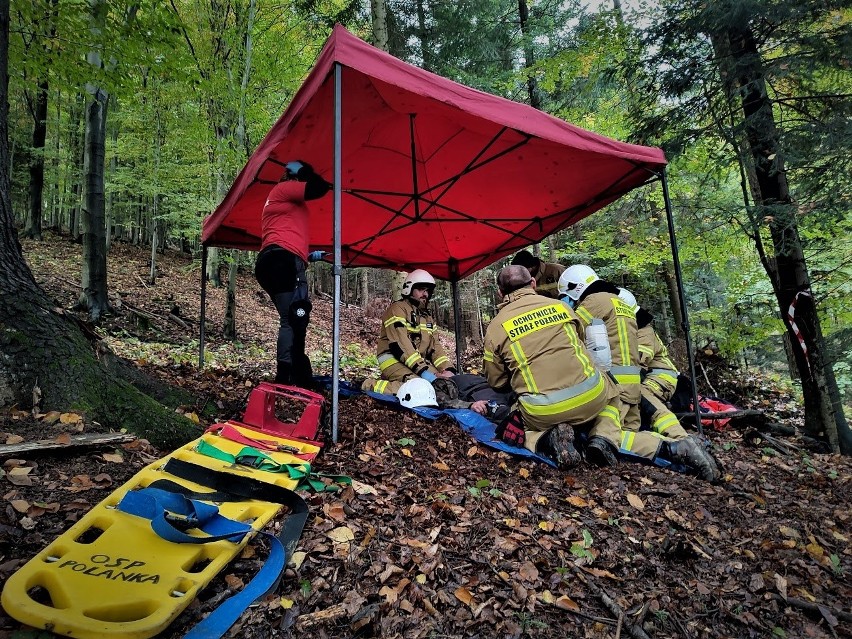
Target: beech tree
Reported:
[(46, 361)]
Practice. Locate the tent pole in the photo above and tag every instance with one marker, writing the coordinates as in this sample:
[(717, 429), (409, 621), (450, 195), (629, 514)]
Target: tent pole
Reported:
[(203, 319), (335, 356), (682, 299), (457, 323)]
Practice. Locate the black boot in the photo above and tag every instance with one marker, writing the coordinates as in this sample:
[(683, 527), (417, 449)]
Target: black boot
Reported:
[(558, 444), (600, 452), (283, 373), (690, 453)]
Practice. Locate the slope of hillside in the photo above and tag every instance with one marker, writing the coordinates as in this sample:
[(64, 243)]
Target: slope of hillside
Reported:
[(447, 538)]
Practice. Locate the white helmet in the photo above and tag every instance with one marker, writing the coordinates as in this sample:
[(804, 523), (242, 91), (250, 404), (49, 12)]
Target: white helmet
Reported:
[(417, 392), (417, 276), (575, 279), (628, 298)]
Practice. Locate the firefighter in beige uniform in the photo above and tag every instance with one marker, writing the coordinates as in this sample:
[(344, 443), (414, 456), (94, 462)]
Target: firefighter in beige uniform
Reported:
[(659, 373), (407, 346), (592, 297), (546, 274), (532, 347)]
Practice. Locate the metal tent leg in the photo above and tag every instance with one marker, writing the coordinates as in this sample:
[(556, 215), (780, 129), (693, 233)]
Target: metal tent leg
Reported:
[(335, 353), (203, 320), (682, 298)]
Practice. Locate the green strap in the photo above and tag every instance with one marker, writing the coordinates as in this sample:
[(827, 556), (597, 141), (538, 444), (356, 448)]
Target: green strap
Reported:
[(254, 458)]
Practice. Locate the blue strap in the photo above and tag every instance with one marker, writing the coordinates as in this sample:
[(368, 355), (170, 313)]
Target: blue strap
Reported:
[(165, 509), (222, 618), (168, 512)]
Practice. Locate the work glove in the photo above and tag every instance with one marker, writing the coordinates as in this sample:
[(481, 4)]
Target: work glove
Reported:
[(428, 376), (511, 430), (316, 256)]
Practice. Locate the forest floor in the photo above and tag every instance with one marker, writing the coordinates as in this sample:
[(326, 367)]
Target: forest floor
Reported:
[(452, 539)]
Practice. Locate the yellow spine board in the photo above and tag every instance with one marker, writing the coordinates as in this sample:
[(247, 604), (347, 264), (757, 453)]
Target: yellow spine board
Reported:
[(111, 575)]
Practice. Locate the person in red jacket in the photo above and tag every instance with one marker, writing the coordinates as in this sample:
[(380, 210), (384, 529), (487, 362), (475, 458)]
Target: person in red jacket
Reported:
[(281, 264)]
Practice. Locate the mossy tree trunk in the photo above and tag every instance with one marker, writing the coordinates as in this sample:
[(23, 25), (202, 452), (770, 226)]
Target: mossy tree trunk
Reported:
[(45, 359)]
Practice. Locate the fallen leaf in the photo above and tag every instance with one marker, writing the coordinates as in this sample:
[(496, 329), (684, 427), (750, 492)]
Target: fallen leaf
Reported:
[(463, 595), (524, 473), (21, 505), (113, 457), (341, 534), (440, 466), (473, 450), (577, 501), (566, 603), (792, 533), (234, 582), (14, 439), (547, 526), (51, 417), (70, 418), (781, 585), (363, 489), (286, 603), (528, 572), (635, 501), (63, 438)]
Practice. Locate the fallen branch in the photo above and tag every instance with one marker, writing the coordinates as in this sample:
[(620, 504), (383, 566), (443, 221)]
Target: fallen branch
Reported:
[(819, 609), (634, 630), (174, 318), (312, 619), (77, 441)]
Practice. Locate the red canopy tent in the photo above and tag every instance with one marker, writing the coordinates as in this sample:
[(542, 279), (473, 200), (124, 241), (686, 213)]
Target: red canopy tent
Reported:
[(435, 175), (428, 173)]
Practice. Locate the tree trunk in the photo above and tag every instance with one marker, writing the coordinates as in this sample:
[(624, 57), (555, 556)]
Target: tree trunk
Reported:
[(94, 297), (229, 331), (44, 358), (776, 207), (33, 228), (379, 15), (529, 55)]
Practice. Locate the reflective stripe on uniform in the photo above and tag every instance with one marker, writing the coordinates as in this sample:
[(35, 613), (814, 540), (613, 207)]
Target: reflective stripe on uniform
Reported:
[(393, 320), (623, 341), (665, 374), (565, 399), (646, 350), (412, 359), (524, 366), (488, 356), (626, 374), (381, 385), (440, 360), (664, 422), (588, 367), (386, 360), (627, 437), (584, 315)]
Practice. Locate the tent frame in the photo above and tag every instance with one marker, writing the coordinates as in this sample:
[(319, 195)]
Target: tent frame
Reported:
[(338, 269)]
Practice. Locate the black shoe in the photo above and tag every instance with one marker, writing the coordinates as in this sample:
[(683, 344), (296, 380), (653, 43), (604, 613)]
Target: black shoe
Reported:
[(690, 453), (600, 452), (558, 444)]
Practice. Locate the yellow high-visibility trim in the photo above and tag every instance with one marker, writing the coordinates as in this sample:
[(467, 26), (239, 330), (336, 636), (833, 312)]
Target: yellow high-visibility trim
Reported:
[(628, 379), (664, 422), (415, 329), (441, 360), (387, 363), (665, 374), (611, 413), (585, 362), (393, 320), (524, 367), (647, 350), (412, 359), (584, 315), (566, 404), (426, 329), (627, 438), (488, 356), (623, 342), (381, 385)]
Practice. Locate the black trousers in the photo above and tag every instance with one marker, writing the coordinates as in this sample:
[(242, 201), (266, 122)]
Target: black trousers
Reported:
[(282, 275)]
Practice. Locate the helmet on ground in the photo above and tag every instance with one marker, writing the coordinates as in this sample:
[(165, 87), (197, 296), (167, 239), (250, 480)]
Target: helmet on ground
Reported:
[(417, 277), (628, 298), (575, 279), (417, 392)]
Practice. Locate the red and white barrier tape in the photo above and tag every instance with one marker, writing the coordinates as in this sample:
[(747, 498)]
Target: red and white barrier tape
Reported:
[(791, 314)]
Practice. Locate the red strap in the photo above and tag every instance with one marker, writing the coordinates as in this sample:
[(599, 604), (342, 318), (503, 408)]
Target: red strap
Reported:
[(229, 432)]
